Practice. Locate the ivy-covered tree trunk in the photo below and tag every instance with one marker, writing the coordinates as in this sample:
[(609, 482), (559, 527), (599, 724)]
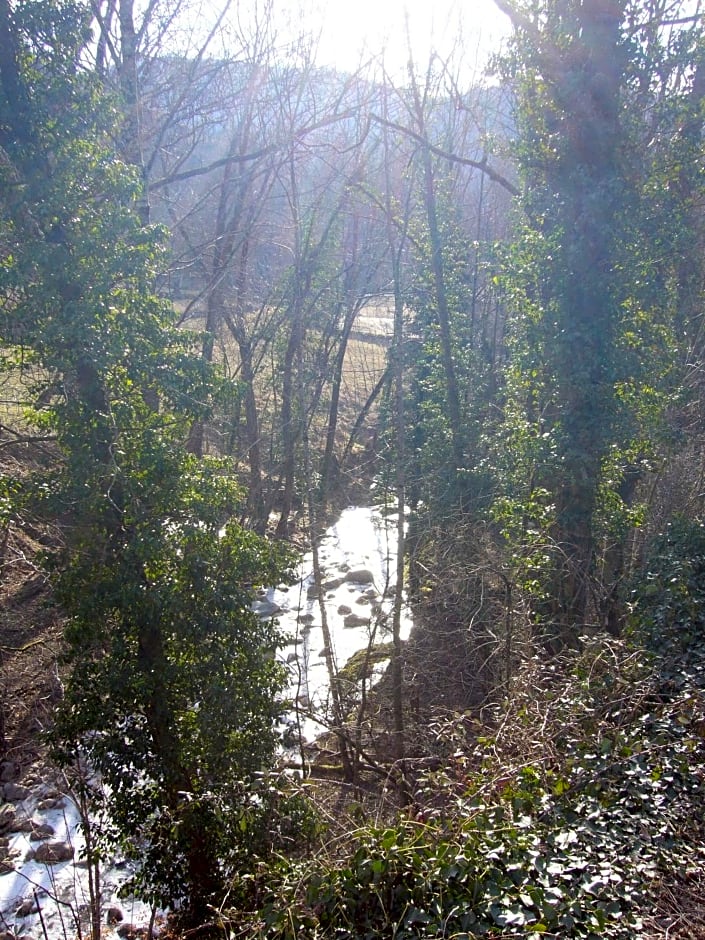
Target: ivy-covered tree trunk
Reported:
[(572, 135)]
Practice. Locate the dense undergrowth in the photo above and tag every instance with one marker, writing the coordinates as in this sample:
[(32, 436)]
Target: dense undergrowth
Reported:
[(579, 814)]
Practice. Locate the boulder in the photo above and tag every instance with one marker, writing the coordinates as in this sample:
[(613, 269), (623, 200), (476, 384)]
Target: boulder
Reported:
[(23, 824), (8, 817), (52, 853), (114, 916), (40, 831), (26, 907), (333, 584), (130, 932), (9, 770), (360, 576), (15, 792), (354, 620), (344, 609), (53, 802), (266, 609)]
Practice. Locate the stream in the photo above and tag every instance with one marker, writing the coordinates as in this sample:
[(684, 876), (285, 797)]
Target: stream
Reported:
[(358, 557), (42, 898)]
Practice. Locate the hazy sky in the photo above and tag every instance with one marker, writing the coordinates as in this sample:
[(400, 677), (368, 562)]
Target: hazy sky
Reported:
[(348, 26), (351, 31)]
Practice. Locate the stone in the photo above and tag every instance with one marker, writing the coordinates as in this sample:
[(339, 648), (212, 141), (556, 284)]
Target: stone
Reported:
[(40, 831), (266, 609), (291, 658), (354, 620), (129, 931), (344, 609), (7, 866), (53, 802), (23, 824), (360, 576), (114, 916), (306, 618), (27, 907), (333, 584), (9, 770), (52, 853), (363, 600), (8, 817), (13, 792)]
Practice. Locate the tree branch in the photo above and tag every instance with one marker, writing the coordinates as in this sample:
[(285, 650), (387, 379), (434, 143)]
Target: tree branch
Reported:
[(481, 165)]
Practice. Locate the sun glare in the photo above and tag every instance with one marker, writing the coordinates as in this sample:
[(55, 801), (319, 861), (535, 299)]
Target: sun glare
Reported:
[(464, 31)]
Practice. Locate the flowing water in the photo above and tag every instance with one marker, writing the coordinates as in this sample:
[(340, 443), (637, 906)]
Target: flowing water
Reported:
[(358, 557)]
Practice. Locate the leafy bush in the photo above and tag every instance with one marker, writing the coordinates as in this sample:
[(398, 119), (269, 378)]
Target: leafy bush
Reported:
[(566, 822)]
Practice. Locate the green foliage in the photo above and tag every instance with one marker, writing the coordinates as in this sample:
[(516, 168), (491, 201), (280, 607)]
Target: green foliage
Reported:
[(668, 600), (180, 728), (173, 691), (564, 823), (597, 285), (432, 474)]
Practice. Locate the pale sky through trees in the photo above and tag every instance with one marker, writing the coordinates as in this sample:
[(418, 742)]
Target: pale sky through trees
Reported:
[(355, 30)]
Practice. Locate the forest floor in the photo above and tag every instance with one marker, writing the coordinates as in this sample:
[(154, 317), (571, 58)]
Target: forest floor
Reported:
[(30, 643)]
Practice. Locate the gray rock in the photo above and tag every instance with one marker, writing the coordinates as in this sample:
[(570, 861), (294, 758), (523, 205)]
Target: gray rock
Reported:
[(333, 584), (344, 609), (362, 600), (291, 658), (8, 817), (266, 609), (52, 853), (9, 770), (53, 802), (354, 620), (13, 792), (114, 916), (306, 618), (40, 831), (130, 932), (27, 907), (360, 576)]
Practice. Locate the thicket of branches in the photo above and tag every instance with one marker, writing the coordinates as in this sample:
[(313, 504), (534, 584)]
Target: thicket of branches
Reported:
[(226, 282)]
